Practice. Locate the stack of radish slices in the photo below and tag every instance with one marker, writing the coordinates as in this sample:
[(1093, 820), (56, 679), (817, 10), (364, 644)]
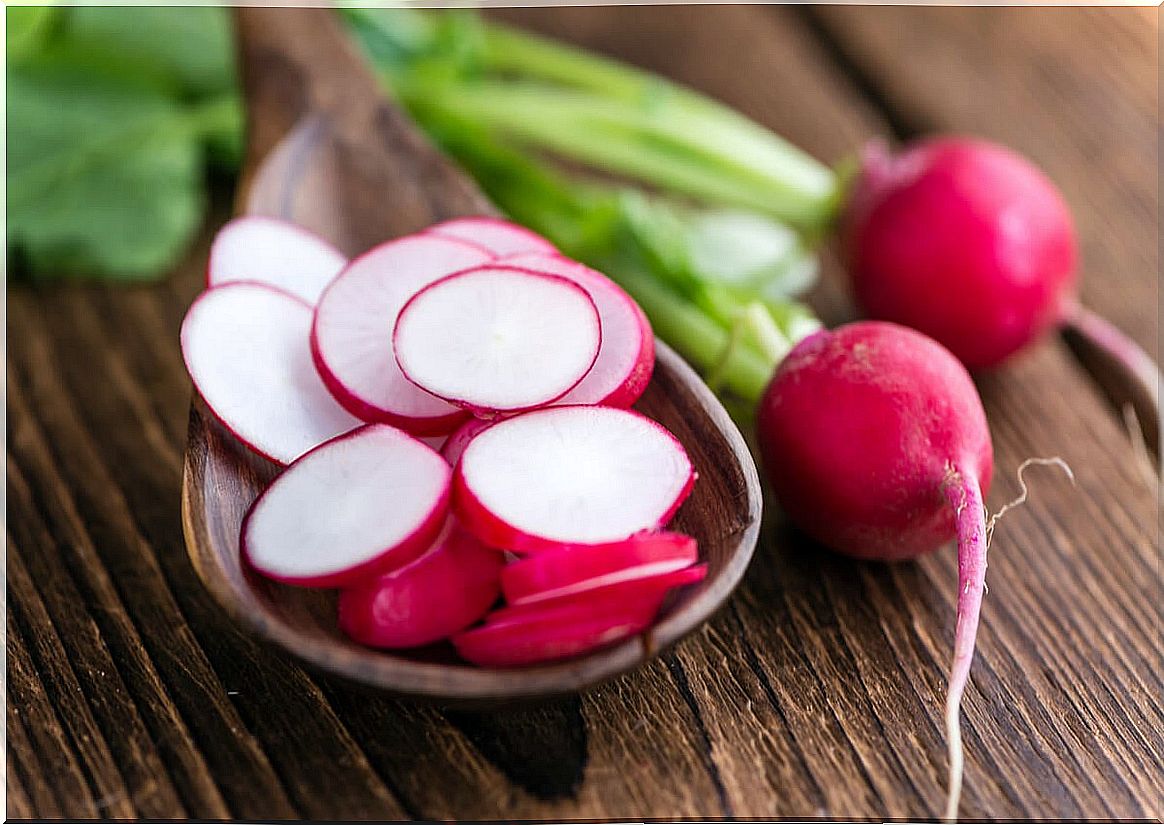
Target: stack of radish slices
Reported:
[(451, 408)]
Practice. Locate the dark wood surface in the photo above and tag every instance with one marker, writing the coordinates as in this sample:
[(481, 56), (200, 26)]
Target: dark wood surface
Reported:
[(815, 692)]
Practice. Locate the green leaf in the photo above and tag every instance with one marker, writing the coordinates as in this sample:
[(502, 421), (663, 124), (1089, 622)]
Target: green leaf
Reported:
[(102, 180)]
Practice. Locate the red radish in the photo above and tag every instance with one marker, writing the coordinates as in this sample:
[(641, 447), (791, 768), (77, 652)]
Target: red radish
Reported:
[(351, 339), (570, 476), (498, 339), (627, 357), (273, 252), (435, 442), (356, 506), (649, 592), (246, 349), (460, 438), (541, 636), (876, 444), (444, 591), (496, 236), (581, 569), (971, 244)]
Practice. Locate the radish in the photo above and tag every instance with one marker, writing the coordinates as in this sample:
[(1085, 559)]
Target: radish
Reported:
[(498, 339), (581, 569), (495, 236), (627, 356), (246, 349), (876, 444), (274, 252), (435, 442), (570, 476), (971, 244), (356, 506), (546, 635), (351, 338), (650, 591), (456, 443), (442, 592)]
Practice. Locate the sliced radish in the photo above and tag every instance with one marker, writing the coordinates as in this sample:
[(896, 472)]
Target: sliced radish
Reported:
[(358, 505), (544, 636), (498, 339), (580, 569), (570, 476), (246, 348), (459, 440), (649, 593), (352, 335), (442, 592), (627, 356), (435, 442), (273, 252), (494, 235)]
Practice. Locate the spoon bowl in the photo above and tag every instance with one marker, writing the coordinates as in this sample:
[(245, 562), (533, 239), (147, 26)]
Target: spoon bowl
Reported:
[(327, 151)]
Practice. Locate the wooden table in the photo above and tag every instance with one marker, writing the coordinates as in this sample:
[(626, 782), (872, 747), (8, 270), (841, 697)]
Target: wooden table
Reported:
[(816, 692)]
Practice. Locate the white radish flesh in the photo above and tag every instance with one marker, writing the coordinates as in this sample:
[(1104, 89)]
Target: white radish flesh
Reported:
[(577, 570), (496, 236), (445, 590), (627, 357), (497, 339), (570, 476), (352, 335), (246, 349), (273, 252), (356, 506)]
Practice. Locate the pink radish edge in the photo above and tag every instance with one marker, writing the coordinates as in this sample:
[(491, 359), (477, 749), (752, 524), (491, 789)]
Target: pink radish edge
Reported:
[(493, 235), (456, 443)]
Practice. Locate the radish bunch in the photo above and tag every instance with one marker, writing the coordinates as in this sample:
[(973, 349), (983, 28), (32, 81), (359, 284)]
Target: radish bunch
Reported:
[(477, 339)]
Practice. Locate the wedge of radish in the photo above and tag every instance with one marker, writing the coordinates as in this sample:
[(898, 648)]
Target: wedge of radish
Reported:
[(356, 506), (570, 476), (627, 357), (542, 636), (496, 236), (351, 339), (246, 349), (442, 592), (460, 438), (273, 252), (577, 570), (497, 339), (649, 593)]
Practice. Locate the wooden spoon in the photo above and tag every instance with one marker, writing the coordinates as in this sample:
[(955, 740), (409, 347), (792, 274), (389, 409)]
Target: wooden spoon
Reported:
[(327, 151)]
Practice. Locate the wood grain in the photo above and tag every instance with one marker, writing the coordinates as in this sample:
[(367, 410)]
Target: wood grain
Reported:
[(815, 693)]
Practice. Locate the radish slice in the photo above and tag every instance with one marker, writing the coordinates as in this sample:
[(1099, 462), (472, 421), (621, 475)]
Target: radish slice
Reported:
[(435, 442), (355, 506), (351, 339), (627, 355), (273, 252), (497, 339), (444, 591), (496, 236), (649, 592), (570, 476), (580, 569), (246, 348), (459, 440), (546, 636)]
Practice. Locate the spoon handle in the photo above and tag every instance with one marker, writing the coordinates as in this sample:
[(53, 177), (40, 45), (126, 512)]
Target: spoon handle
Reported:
[(325, 148)]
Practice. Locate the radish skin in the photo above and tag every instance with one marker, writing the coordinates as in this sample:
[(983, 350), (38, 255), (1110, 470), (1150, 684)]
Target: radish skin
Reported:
[(445, 590), (456, 443), (549, 636), (497, 237), (876, 444)]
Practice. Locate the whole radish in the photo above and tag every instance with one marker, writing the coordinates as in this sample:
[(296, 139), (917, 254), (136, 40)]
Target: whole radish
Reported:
[(970, 243), (876, 444)]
